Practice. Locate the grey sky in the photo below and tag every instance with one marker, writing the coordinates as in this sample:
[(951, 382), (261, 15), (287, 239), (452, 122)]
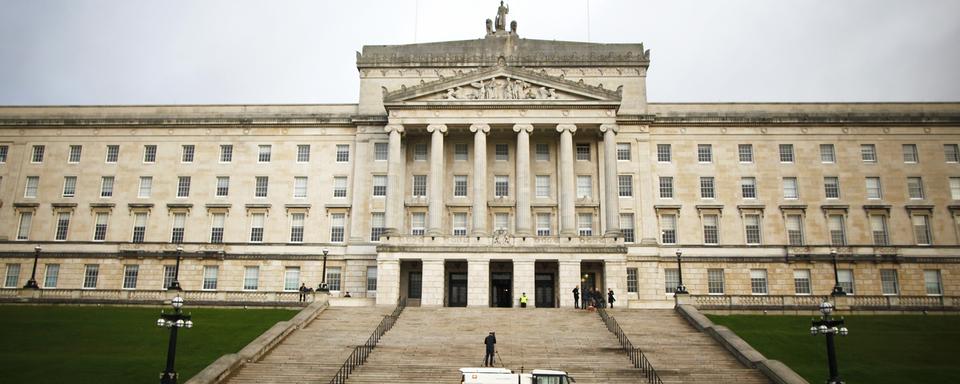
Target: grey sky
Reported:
[(238, 51)]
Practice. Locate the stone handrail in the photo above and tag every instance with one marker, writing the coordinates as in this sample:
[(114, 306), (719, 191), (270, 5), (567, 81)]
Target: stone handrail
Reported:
[(811, 302)]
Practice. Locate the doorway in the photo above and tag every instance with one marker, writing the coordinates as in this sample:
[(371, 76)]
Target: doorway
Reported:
[(543, 290), (501, 287), (457, 290)]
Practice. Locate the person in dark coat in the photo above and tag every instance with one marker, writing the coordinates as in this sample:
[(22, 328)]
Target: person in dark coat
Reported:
[(610, 298), (303, 292), (576, 297), (490, 341)]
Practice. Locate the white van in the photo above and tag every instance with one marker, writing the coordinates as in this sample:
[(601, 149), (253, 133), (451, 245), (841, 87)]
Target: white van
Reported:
[(506, 376)]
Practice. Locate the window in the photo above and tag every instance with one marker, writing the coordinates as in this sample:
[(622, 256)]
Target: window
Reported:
[(420, 152), (303, 153), (291, 278), (130, 273), (339, 186), (921, 229), (38, 151), (262, 184), (150, 153), (845, 276), (501, 222), (827, 153), (837, 233), (459, 186), (878, 228), (113, 153), (626, 227), (251, 278), (790, 190), (336, 227), (378, 224), (223, 186), (256, 227), (146, 187), (874, 192), (501, 152), (666, 187), (300, 187), (583, 151), (459, 224), (63, 226), (169, 273), (12, 278), (915, 188), (69, 186), (751, 224), (139, 227), (543, 224), (264, 153), (931, 279), (748, 187), (371, 279), (668, 229), (786, 153), (226, 153), (106, 186), (33, 183), (711, 229), (501, 186), (585, 224), (831, 187), (745, 153), (75, 152), (90, 274), (706, 188), (419, 186), (4, 150), (379, 185), (910, 153), (623, 151), (584, 187), (671, 280), (216, 227), (625, 185), (52, 276), (951, 153), (183, 186), (868, 153), (459, 152), (705, 153), (663, 153), (801, 281), (186, 153), (23, 230), (100, 226), (381, 151), (333, 278), (888, 282), (632, 283), (542, 183), (794, 224), (955, 188), (179, 224), (715, 281), (418, 223), (758, 281), (210, 277)]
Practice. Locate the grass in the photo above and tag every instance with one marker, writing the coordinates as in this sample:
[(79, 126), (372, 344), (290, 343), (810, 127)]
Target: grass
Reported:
[(67, 344), (880, 349)]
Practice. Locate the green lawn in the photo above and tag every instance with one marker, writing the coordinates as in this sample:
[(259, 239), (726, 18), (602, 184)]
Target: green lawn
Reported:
[(880, 349), (66, 344)]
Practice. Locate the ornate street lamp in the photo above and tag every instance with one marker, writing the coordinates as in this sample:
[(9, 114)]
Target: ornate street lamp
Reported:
[(323, 277), (32, 283), (174, 321), (837, 289), (829, 327), (680, 288), (175, 284)]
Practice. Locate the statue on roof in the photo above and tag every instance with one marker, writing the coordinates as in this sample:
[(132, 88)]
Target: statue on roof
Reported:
[(501, 20)]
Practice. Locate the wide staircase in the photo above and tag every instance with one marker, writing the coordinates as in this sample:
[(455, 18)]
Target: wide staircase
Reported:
[(429, 345), (314, 353), (679, 352)]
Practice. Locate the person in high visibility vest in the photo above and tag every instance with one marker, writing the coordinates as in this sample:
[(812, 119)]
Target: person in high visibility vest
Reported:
[(523, 300)]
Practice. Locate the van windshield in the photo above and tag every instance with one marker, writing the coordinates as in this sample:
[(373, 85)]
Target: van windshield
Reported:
[(551, 380)]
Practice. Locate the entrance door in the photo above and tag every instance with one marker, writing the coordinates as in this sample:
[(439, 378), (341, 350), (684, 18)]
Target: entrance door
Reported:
[(414, 285), (544, 297), (501, 285), (587, 285), (457, 290)]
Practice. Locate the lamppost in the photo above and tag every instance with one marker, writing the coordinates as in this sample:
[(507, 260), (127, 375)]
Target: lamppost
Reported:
[(174, 321), (32, 283), (829, 327), (837, 289), (323, 277), (175, 284), (680, 288)]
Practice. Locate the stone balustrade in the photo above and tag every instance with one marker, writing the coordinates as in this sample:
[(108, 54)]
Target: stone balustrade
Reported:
[(850, 302), (150, 297)]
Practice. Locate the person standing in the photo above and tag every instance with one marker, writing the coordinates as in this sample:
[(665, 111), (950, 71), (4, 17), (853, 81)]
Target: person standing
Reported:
[(610, 298), (523, 300), (303, 292), (576, 297), (490, 341)]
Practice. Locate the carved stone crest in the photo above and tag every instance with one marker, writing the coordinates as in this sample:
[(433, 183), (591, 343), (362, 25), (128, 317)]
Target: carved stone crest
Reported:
[(501, 237)]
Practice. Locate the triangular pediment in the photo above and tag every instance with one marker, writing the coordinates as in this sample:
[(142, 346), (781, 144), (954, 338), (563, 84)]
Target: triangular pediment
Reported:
[(501, 84)]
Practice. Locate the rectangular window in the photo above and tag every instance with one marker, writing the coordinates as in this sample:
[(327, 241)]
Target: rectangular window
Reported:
[(179, 227), (459, 186), (146, 187), (256, 227), (955, 188), (632, 283), (623, 152), (951, 153), (838, 234), (210, 277), (459, 152), (378, 224), (874, 192), (113, 153), (585, 224), (420, 152), (100, 226), (502, 152), (150, 153), (75, 152), (52, 276), (543, 224), (186, 153), (251, 278), (303, 153), (226, 153), (543, 152), (915, 188), (4, 150), (501, 222), (223, 186), (671, 280), (745, 153), (794, 224), (130, 273), (139, 227), (715, 281), (626, 227), (91, 272), (828, 153), (501, 186), (668, 229), (705, 153), (337, 222), (296, 227), (751, 224), (878, 228), (786, 153), (262, 186), (106, 186), (216, 227), (371, 279), (264, 153), (459, 224), (706, 188), (583, 151), (758, 281), (543, 185), (845, 276), (801, 281), (169, 273), (23, 230), (748, 187), (333, 278), (888, 282), (63, 226), (300, 187), (711, 229), (379, 185), (584, 187), (38, 151), (666, 187), (12, 278), (625, 185), (910, 153), (339, 186), (183, 186), (921, 229), (418, 223), (931, 279), (868, 153), (33, 184), (790, 190), (69, 186), (291, 278), (664, 153), (831, 187), (419, 186)]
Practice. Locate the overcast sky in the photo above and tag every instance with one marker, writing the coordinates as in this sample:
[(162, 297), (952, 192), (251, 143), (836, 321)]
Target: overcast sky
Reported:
[(255, 52)]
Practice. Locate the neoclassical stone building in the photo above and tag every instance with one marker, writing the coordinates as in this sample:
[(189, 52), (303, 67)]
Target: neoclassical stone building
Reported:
[(472, 171)]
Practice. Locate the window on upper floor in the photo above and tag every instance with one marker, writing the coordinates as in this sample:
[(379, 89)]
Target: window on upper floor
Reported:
[(868, 153), (343, 153), (187, 151), (704, 153), (911, 154), (583, 151), (745, 153), (664, 153), (786, 153), (460, 152), (828, 153), (623, 152), (303, 153), (501, 152), (381, 151)]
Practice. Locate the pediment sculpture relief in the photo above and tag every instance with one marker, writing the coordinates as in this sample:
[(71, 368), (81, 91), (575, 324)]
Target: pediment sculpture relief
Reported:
[(503, 88)]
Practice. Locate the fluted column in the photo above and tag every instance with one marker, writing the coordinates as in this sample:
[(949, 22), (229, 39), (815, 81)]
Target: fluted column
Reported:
[(436, 197), (479, 178), (568, 225), (395, 174), (612, 183), (523, 177)]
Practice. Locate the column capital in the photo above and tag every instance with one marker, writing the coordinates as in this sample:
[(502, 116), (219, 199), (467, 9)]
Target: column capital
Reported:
[(480, 127), (523, 127), (567, 127), (609, 127), (442, 128), (390, 128)]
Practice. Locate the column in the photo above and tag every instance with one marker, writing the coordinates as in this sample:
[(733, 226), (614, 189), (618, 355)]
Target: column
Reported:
[(612, 184), (388, 282), (523, 281), (395, 174), (568, 192), (523, 178), (479, 187), (436, 197), (478, 283), (569, 277), (432, 284)]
